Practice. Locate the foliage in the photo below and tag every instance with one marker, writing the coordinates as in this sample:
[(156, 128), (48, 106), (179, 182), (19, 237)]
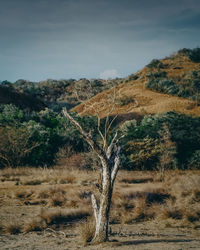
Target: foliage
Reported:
[(168, 151), (125, 100), (29, 138), (57, 94), (34, 138), (184, 130), (142, 153), (194, 160), (15, 145), (155, 63), (188, 88), (192, 54)]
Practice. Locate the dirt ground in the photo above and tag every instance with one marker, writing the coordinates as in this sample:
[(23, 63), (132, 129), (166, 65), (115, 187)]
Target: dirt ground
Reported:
[(140, 236), (150, 234)]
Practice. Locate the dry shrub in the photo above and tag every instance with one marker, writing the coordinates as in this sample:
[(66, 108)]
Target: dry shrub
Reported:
[(42, 194), (22, 194), (69, 179), (48, 192), (140, 209), (57, 216), (135, 180), (58, 199), (170, 210), (54, 218), (34, 225), (1, 228), (13, 172), (76, 161), (192, 213), (12, 228), (35, 202), (32, 182), (54, 196), (87, 231)]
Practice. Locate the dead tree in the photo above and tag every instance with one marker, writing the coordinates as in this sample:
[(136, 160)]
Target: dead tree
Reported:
[(110, 161)]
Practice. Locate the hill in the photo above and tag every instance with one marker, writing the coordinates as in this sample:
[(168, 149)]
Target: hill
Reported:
[(58, 93), (170, 84), (8, 95)]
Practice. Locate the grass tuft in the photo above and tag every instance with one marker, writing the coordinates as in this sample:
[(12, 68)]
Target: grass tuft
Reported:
[(12, 228), (87, 231), (34, 225)]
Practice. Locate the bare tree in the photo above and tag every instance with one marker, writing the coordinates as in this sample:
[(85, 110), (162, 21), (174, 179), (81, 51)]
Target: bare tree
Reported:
[(109, 158), (110, 161), (108, 153)]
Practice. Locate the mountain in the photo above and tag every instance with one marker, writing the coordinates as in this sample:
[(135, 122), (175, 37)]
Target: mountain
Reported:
[(170, 84)]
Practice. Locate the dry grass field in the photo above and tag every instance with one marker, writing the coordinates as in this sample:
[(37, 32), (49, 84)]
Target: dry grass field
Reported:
[(50, 209)]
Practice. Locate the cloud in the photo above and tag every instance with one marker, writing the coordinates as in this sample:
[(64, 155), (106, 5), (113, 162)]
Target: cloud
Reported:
[(109, 74)]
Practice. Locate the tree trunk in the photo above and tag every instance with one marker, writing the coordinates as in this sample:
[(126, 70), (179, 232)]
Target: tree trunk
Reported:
[(103, 211)]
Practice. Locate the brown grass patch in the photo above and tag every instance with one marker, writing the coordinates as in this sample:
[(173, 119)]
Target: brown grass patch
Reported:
[(12, 228), (132, 180), (34, 225), (32, 182), (87, 231), (57, 216), (22, 194)]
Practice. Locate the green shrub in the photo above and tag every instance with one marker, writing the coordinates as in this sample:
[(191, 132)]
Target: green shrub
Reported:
[(184, 132), (125, 100), (192, 54), (194, 160), (155, 63)]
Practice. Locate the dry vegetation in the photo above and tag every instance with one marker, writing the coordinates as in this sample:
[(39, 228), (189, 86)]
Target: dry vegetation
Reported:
[(133, 97), (61, 201)]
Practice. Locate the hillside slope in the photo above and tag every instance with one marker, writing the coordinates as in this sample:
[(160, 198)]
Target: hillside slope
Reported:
[(178, 75), (8, 95)]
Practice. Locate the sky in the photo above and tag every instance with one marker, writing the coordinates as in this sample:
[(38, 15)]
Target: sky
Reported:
[(62, 39)]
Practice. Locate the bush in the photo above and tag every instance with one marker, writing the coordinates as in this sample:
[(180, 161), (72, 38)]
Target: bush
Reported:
[(15, 145), (143, 139), (155, 64), (192, 54), (194, 160), (125, 100)]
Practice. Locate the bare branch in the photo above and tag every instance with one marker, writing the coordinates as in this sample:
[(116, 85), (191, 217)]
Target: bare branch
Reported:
[(110, 148), (95, 207), (100, 152), (98, 128), (116, 166)]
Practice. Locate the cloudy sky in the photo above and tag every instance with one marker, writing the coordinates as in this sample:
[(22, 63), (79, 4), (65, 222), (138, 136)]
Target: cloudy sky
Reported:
[(61, 39)]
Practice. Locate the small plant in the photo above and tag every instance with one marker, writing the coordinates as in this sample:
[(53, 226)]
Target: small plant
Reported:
[(13, 228), (57, 199), (155, 64), (125, 100), (1, 228), (34, 225), (32, 182), (87, 230), (57, 216), (192, 54), (22, 194)]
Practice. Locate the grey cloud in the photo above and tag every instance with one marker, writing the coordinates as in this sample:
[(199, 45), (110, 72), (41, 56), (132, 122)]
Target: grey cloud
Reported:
[(76, 38)]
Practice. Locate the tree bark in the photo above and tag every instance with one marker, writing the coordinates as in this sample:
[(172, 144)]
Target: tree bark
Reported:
[(103, 211)]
